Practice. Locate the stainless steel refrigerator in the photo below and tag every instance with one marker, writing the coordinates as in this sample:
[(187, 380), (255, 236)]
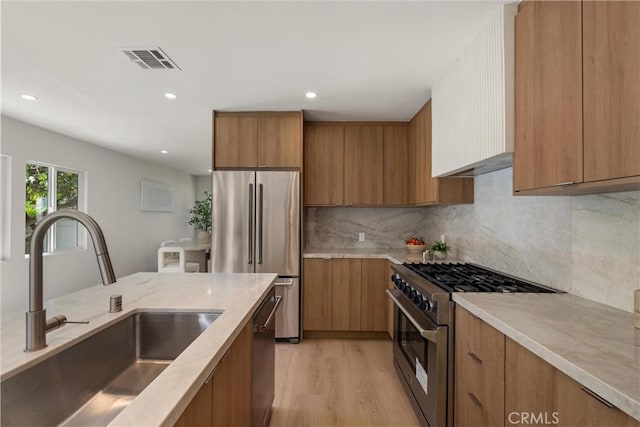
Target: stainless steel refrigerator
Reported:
[(256, 228)]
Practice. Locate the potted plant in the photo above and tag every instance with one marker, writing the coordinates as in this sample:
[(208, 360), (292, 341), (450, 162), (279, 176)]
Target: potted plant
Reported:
[(201, 218), (440, 249)]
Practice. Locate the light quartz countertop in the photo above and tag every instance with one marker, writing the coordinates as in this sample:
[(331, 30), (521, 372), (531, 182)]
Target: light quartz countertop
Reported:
[(396, 256), (592, 343), (164, 400)]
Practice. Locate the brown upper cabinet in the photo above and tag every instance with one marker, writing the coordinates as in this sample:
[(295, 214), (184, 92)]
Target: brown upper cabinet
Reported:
[(396, 165), (363, 165), (577, 91), (323, 165), (355, 163), (611, 69), (376, 164), (257, 139), (423, 188)]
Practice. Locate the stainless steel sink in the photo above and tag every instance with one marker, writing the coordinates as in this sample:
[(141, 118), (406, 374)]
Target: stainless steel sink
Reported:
[(93, 381)]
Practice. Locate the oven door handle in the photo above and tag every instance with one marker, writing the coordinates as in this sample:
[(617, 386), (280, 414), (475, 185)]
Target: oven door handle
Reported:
[(429, 334)]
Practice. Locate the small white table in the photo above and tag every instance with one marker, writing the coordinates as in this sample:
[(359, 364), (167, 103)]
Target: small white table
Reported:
[(197, 253)]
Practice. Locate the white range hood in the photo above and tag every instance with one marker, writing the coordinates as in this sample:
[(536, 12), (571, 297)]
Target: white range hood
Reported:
[(473, 104)]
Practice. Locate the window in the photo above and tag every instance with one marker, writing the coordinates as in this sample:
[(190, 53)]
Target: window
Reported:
[(48, 189), (5, 206)]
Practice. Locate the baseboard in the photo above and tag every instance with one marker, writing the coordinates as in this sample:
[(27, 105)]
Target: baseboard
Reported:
[(362, 335)]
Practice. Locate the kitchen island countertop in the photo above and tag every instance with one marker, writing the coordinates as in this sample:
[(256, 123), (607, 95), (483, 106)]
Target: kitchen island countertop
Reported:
[(594, 344), (164, 400)]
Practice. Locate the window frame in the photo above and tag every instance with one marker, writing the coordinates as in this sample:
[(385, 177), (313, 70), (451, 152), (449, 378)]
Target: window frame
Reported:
[(52, 206), (5, 209)]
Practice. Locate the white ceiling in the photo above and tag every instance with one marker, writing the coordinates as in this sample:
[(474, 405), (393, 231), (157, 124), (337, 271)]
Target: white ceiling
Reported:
[(366, 61)]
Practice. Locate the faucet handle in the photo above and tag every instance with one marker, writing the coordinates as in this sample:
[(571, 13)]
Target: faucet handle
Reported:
[(59, 321), (55, 322)]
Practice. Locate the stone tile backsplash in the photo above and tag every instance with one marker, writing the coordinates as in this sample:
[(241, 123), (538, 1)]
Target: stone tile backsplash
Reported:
[(585, 245), (383, 227)]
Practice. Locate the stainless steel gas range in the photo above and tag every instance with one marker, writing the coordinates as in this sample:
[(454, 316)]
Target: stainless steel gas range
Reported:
[(424, 327)]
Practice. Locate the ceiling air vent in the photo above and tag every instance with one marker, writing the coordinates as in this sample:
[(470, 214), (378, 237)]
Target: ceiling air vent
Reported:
[(151, 58)]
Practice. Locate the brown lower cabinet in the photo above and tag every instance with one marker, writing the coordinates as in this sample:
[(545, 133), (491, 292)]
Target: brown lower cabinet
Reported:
[(534, 388), (224, 400), (479, 374), (345, 294), (500, 383)]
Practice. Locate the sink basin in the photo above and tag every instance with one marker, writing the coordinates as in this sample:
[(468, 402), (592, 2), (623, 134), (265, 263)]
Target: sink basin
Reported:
[(92, 381)]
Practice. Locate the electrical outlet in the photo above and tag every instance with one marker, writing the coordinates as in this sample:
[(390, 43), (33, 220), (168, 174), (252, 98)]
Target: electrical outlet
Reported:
[(360, 237)]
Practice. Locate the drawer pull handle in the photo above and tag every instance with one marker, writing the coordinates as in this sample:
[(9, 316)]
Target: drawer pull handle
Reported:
[(475, 400), (598, 398), (474, 357)]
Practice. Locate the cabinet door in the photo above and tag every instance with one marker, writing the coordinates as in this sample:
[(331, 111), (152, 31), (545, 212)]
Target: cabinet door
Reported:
[(231, 383), (373, 306), (317, 295), (611, 31), (235, 141), (198, 413), (347, 291), (363, 165), (413, 159), (396, 164), (426, 185), (323, 165), (532, 386), (548, 94), (485, 343), (479, 393), (280, 142)]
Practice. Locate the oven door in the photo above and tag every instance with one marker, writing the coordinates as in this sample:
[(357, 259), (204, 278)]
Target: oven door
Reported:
[(420, 355)]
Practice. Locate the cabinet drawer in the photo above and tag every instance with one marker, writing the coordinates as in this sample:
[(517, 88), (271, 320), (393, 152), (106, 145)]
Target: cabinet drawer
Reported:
[(484, 342), (478, 390)]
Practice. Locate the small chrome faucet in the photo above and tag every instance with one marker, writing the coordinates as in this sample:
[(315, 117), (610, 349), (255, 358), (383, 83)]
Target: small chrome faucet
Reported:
[(37, 323)]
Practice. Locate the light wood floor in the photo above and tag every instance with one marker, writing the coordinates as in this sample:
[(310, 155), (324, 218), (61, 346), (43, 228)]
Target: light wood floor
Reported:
[(333, 382)]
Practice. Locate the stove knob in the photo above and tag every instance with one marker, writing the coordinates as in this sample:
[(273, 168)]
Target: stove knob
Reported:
[(423, 304), (428, 305), (408, 290), (418, 299)]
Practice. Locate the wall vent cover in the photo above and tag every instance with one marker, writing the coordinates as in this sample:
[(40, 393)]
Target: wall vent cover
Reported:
[(150, 58)]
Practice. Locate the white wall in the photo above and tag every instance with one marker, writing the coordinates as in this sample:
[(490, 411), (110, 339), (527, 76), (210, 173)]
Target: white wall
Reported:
[(586, 245), (203, 183), (113, 199)]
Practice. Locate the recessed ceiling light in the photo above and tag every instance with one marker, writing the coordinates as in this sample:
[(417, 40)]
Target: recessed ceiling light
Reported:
[(310, 95), (29, 97), (210, 170), (170, 95), (164, 151)]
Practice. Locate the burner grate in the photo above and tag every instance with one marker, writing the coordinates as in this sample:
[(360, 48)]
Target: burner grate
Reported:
[(460, 277)]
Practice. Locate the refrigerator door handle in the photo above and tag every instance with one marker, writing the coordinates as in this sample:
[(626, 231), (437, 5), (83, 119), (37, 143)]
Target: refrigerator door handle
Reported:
[(251, 209), (260, 222)]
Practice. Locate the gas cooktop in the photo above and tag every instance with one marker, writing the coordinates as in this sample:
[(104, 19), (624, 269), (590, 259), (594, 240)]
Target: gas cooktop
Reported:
[(463, 277)]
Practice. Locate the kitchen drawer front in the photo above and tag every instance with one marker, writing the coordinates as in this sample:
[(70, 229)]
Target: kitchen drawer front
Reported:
[(484, 342), (479, 392)]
